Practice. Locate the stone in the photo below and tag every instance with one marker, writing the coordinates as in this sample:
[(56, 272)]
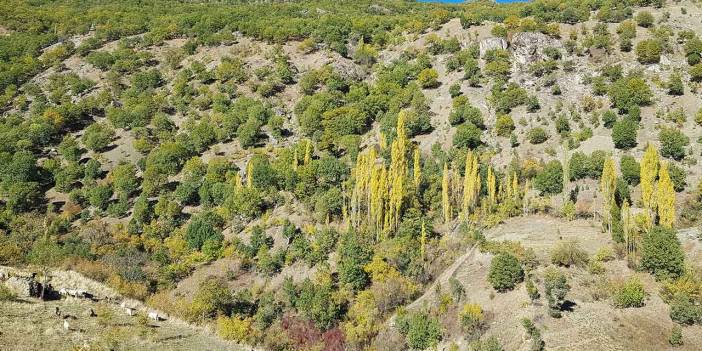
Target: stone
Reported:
[(527, 47), (492, 44)]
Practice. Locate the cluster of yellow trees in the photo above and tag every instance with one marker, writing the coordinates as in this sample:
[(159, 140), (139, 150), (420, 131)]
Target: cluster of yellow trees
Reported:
[(379, 190)]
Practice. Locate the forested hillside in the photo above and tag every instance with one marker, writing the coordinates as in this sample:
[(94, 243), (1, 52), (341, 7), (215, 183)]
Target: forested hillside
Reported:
[(358, 175)]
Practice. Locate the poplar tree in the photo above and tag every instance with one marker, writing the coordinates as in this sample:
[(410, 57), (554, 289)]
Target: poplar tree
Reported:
[(417, 170), (608, 183), (249, 174), (630, 238), (492, 185), (445, 202), (665, 198), (397, 173), (649, 171), (423, 241), (308, 152), (471, 183)]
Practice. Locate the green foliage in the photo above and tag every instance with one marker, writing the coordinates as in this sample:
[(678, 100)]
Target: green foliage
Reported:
[(467, 136), (629, 294), (629, 91), (203, 228), (624, 133), (661, 254), (673, 143), (684, 310), (676, 337), (537, 135), (420, 330), (556, 288), (550, 179), (98, 136), (631, 170), (644, 19), (568, 253), (505, 272), (428, 78), (504, 125), (353, 255)]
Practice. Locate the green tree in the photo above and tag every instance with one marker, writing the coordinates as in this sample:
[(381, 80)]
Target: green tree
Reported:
[(97, 136), (673, 143), (505, 272), (661, 254), (550, 179), (420, 330), (624, 133)]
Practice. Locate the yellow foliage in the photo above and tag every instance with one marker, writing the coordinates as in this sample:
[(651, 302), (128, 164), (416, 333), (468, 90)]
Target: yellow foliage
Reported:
[(234, 328)]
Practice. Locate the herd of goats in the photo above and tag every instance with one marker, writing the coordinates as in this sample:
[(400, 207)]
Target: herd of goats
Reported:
[(29, 286)]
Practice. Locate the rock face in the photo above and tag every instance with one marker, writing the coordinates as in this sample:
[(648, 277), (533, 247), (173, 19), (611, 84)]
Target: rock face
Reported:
[(527, 47), (24, 286), (491, 44)]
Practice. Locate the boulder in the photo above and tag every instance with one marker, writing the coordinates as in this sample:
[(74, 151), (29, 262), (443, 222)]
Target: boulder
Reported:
[(24, 286), (527, 47), (491, 44)]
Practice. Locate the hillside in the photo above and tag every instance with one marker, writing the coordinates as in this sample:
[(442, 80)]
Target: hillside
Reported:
[(354, 175)]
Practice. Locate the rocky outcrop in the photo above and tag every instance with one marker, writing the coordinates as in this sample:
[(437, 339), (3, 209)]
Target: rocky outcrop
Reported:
[(24, 286), (527, 47), (492, 44)]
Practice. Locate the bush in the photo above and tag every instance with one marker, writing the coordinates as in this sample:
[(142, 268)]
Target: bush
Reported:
[(420, 330), (628, 92), (624, 134), (233, 328), (644, 19), (568, 253), (6, 294), (505, 272), (675, 85), (537, 135), (609, 118), (472, 318), (676, 337), (556, 288), (631, 170), (684, 310), (629, 294), (203, 229), (504, 125), (661, 254), (649, 51), (467, 136), (696, 72), (550, 179), (97, 136), (428, 78), (673, 143)]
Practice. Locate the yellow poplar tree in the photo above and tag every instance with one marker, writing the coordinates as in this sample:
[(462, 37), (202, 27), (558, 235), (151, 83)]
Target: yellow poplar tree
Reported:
[(398, 173), (608, 183), (492, 186), (471, 183), (417, 170), (423, 240), (308, 152), (665, 198), (445, 203), (649, 171), (249, 174)]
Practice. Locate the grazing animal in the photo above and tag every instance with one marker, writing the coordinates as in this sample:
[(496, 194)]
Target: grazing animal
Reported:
[(66, 326), (154, 316), (92, 313), (130, 311), (57, 312)]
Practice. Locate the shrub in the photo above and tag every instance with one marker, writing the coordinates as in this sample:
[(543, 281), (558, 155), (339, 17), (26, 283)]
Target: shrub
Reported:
[(489, 344), (675, 85), (537, 135), (698, 117), (472, 318), (676, 338), (97, 136), (631, 170), (233, 328), (661, 254), (505, 272), (420, 330), (673, 143), (550, 179), (504, 125), (556, 288), (467, 136), (644, 19), (568, 253), (649, 51), (628, 92), (428, 78), (696, 72), (609, 118), (203, 229), (629, 294), (684, 310), (624, 134), (6, 294)]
